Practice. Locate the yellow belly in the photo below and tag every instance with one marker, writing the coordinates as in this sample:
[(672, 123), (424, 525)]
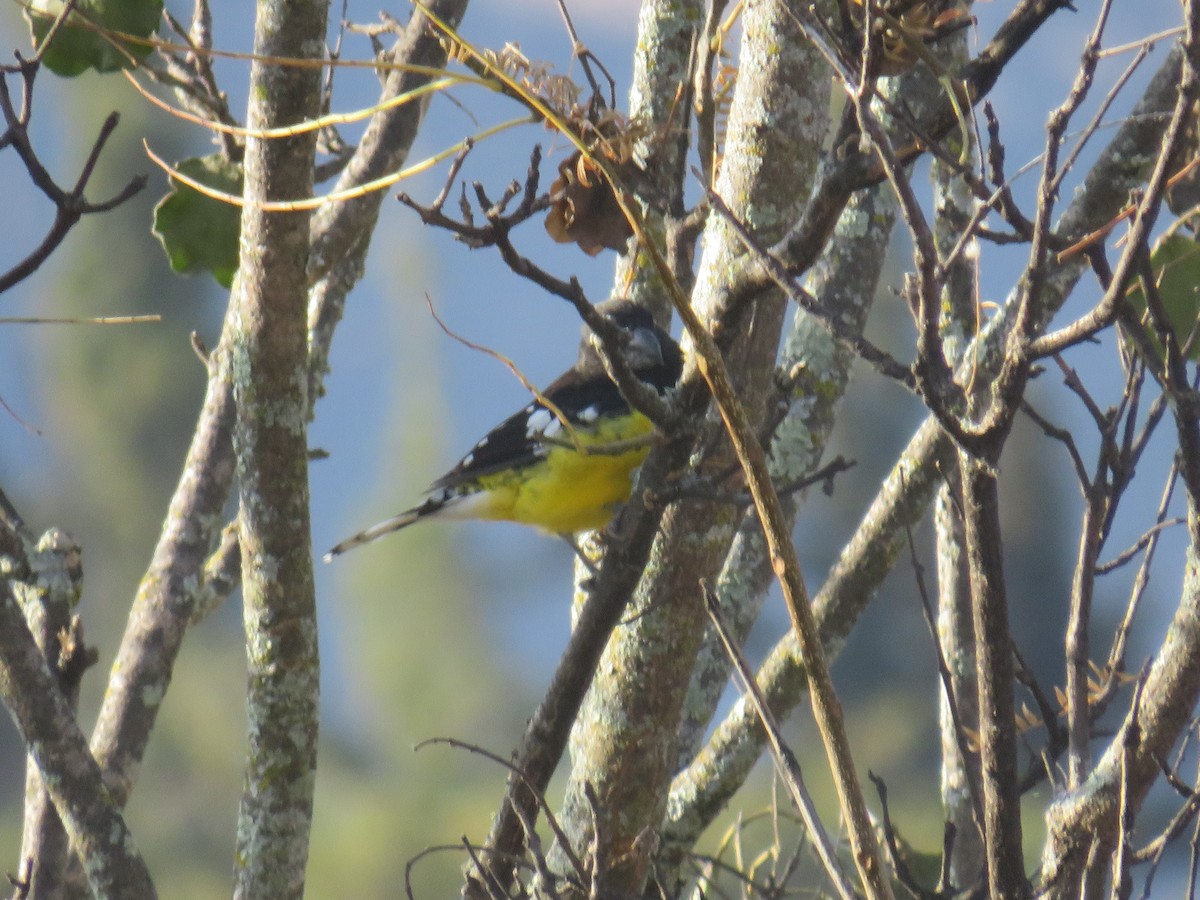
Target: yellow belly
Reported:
[(568, 491)]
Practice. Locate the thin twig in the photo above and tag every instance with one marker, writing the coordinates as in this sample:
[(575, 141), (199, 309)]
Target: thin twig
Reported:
[(878, 358), (70, 205), (538, 794), (785, 761)]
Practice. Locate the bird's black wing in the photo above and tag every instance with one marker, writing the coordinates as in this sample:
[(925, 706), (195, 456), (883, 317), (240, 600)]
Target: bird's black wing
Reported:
[(517, 441)]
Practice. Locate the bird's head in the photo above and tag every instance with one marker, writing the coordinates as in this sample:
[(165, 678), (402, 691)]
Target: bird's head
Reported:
[(651, 353)]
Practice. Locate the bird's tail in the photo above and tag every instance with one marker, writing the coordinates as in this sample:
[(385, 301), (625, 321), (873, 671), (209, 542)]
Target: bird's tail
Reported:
[(445, 502), (387, 526)]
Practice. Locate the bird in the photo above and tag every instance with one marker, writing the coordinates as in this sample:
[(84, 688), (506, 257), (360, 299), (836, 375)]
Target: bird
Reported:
[(527, 469)]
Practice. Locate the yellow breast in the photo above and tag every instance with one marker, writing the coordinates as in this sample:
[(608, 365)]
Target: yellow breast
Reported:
[(568, 491)]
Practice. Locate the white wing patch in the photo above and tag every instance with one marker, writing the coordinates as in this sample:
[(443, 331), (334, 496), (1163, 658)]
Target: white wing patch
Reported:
[(588, 414), (541, 425), (538, 422)]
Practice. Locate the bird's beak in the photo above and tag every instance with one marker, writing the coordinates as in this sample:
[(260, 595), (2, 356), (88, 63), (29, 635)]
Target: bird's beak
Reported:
[(643, 349)]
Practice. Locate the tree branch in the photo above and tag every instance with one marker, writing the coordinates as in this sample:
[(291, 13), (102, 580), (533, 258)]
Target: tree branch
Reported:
[(700, 791), (167, 595), (268, 357), (69, 205), (71, 776)]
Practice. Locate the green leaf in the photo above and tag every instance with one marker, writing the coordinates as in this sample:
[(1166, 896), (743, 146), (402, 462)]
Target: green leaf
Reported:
[(78, 47), (1176, 264), (198, 232)]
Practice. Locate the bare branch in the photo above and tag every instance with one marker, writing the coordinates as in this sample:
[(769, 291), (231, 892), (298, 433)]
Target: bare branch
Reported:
[(269, 345), (70, 205), (785, 760), (47, 725)]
